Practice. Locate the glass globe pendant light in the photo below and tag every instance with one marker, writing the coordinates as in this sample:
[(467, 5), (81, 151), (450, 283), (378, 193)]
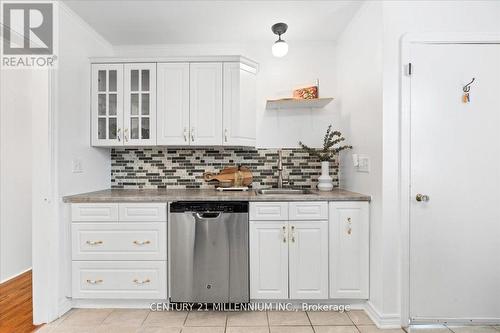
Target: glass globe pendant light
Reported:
[(280, 47)]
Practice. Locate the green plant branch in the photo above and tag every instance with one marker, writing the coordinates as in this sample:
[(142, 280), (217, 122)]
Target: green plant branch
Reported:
[(331, 146)]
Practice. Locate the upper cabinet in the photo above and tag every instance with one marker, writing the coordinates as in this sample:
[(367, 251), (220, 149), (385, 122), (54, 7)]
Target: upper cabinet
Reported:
[(123, 104), (107, 105), (239, 105), (173, 103), (139, 116), (205, 104)]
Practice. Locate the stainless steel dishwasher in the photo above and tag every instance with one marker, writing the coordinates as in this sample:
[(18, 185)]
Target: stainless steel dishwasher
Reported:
[(208, 250)]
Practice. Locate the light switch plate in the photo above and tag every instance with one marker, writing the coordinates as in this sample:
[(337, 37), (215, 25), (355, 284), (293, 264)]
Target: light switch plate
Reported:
[(363, 163), (77, 166)]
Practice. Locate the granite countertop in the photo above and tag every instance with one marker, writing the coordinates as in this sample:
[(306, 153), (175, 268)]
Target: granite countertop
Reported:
[(162, 195)]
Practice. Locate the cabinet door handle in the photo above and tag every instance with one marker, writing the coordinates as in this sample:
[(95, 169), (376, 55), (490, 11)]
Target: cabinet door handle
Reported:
[(125, 134), (185, 133), (225, 135), (118, 134), (137, 281), (136, 242), (192, 134), (99, 242), (95, 281), (349, 226), (293, 234), (284, 234)]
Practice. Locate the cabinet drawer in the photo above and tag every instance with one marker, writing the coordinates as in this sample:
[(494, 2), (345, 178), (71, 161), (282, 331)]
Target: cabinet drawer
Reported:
[(308, 210), (269, 211), (148, 212), (95, 212), (119, 241), (119, 280)]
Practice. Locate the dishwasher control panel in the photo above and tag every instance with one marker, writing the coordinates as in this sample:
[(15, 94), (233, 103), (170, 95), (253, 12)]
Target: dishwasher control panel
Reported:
[(209, 206)]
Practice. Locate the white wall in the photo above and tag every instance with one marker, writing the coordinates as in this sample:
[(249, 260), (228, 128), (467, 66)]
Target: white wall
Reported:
[(372, 123), (277, 78), (401, 17), (77, 42), (15, 172), (70, 132), (360, 103)]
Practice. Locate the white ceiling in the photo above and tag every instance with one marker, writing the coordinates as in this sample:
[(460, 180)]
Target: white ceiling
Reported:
[(210, 21)]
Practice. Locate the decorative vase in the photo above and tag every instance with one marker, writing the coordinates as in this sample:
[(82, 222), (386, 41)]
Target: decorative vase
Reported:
[(325, 182)]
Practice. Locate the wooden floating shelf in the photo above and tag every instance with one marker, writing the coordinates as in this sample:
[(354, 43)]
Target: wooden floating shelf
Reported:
[(291, 103)]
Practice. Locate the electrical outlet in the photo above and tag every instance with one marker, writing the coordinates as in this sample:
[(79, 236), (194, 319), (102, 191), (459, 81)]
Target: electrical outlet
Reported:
[(77, 166), (363, 163)]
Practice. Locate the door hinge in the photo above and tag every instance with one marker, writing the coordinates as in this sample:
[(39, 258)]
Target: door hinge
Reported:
[(409, 69)]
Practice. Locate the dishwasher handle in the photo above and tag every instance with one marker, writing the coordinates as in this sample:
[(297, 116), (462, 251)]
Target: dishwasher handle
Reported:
[(208, 215)]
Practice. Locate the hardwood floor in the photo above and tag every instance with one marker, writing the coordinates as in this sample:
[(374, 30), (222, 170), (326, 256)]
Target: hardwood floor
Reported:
[(16, 307)]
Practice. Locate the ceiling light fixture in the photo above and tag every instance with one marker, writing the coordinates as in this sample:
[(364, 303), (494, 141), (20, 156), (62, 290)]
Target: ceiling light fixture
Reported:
[(280, 47)]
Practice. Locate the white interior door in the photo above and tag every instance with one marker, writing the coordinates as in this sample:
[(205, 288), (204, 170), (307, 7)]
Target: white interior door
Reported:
[(455, 158)]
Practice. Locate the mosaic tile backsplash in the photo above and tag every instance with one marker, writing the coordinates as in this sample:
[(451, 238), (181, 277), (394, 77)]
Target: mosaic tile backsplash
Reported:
[(179, 168)]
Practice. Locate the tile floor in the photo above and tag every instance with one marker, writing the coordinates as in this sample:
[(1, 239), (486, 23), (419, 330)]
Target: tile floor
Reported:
[(145, 321)]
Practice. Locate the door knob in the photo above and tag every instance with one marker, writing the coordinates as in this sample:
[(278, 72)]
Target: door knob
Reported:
[(422, 197)]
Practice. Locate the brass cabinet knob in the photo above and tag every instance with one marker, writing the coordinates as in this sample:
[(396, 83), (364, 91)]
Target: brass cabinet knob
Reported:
[(98, 242), (136, 242)]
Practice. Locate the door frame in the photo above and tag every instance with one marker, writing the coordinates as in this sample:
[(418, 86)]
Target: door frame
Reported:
[(405, 142)]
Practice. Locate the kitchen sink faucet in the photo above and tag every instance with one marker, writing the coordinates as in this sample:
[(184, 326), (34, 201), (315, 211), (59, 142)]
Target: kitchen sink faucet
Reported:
[(280, 169)]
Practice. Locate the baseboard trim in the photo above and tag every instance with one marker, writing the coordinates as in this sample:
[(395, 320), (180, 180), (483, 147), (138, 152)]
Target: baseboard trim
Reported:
[(64, 306), (15, 276), (382, 320), (115, 303)]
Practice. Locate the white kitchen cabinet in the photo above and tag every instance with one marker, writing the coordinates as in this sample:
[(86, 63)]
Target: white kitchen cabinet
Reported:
[(288, 257), (200, 101), (205, 104), (123, 104), (119, 241), (119, 279), (107, 104), (269, 211), (308, 252), (349, 250), (139, 116), (173, 104), (268, 260), (146, 211), (94, 212), (119, 250), (239, 105)]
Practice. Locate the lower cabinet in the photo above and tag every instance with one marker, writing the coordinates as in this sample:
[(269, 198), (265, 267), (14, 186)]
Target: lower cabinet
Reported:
[(308, 259), (119, 251), (119, 279), (349, 250), (288, 258), (268, 260), (309, 250)]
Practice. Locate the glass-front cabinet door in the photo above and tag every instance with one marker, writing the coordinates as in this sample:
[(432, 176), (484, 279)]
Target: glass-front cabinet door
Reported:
[(139, 128), (107, 104)]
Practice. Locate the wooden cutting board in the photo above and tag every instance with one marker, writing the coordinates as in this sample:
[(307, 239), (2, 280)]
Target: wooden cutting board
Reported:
[(228, 174)]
